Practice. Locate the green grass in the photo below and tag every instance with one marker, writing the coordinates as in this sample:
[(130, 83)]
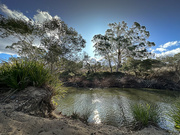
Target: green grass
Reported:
[(144, 114), (19, 74), (83, 118), (174, 114)]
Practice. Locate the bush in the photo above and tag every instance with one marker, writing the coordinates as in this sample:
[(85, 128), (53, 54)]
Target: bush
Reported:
[(19, 74), (38, 74), (57, 87), (174, 114), (144, 114)]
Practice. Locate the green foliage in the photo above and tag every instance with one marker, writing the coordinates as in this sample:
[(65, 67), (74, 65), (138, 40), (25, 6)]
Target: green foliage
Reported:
[(57, 87), (172, 63), (75, 115), (144, 114), (19, 74), (71, 66), (139, 66), (14, 75), (120, 42), (19, 26), (38, 74), (174, 114), (63, 42), (83, 118)]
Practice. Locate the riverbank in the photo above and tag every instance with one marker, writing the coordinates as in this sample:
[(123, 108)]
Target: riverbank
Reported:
[(166, 80), (18, 123), (31, 112)]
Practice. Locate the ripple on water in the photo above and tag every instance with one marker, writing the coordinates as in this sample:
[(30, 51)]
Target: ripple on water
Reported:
[(112, 106)]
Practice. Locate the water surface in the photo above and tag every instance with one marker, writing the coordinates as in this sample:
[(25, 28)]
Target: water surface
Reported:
[(112, 105)]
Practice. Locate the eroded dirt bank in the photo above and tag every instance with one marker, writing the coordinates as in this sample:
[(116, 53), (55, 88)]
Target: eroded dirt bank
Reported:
[(24, 113), (167, 81)]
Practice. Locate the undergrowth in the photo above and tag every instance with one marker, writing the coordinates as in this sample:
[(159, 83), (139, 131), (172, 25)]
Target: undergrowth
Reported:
[(174, 114), (144, 114), (19, 74)]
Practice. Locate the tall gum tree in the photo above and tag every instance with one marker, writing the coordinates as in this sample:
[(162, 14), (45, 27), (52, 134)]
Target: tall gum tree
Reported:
[(103, 47), (55, 39), (124, 42)]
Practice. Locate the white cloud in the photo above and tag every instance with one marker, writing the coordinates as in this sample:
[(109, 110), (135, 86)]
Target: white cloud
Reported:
[(163, 47), (170, 53), (160, 49), (168, 44), (4, 43), (42, 16), (13, 14), (152, 51)]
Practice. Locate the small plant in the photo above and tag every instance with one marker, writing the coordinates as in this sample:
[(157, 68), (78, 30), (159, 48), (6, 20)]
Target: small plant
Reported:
[(144, 114), (83, 118), (14, 75), (174, 114), (18, 74), (57, 86), (75, 115), (38, 74)]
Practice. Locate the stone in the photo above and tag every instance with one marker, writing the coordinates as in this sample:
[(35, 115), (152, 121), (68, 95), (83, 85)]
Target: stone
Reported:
[(12, 97), (8, 106)]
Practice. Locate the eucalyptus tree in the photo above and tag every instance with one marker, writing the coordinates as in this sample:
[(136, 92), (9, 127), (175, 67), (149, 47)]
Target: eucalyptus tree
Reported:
[(103, 47), (23, 32), (172, 63), (125, 42), (60, 41), (141, 67), (49, 40)]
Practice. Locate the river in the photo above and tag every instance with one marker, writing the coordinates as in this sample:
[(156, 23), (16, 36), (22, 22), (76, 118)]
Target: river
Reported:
[(112, 105)]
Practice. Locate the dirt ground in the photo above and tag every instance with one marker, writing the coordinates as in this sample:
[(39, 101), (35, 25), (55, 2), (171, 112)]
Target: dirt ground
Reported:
[(18, 123)]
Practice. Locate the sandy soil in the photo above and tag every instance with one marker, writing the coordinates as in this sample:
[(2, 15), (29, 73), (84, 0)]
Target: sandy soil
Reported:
[(18, 123)]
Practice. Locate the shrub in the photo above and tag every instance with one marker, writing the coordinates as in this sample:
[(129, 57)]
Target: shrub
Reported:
[(144, 114), (174, 114), (38, 74), (83, 118), (19, 74), (57, 87)]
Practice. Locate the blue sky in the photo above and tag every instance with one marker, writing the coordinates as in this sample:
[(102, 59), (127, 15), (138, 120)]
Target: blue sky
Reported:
[(90, 17)]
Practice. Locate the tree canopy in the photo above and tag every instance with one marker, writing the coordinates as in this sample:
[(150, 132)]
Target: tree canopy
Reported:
[(121, 42), (50, 40)]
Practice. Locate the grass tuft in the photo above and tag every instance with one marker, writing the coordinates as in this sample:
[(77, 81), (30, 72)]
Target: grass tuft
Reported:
[(144, 114), (19, 74), (174, 114)]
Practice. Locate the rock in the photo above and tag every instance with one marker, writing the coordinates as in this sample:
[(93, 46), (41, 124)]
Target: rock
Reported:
[(12, 97), (4, 111), (40, 131), (8, 106)]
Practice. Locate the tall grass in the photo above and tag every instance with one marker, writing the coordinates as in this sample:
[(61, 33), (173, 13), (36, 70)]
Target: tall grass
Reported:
[(174, 114), (19, 74), (38, 74), (144, 114)]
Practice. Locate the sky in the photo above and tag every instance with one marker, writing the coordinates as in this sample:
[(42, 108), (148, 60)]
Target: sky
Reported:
[(91, 17)]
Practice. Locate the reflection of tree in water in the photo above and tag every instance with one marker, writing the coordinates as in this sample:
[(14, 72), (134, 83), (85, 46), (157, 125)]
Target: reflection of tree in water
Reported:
[(109, 110), (109, 106)]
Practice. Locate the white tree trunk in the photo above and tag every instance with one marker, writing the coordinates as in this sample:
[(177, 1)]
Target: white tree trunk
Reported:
[(119, 61)]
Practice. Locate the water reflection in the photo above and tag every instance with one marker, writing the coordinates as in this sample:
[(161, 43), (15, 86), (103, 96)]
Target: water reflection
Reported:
[(96, 108), (112, 106)]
